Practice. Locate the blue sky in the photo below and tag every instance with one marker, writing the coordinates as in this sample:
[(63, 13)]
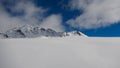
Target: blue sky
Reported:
[(63, 15)]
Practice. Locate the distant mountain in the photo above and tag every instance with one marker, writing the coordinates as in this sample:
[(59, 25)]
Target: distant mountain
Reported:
[(28, 31)]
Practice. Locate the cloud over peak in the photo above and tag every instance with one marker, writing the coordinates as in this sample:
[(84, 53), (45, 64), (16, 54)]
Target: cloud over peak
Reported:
[(27, 13), (97, 13), (53, 22)]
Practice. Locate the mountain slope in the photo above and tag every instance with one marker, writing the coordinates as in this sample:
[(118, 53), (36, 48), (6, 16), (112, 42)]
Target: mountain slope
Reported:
[(28, 31)]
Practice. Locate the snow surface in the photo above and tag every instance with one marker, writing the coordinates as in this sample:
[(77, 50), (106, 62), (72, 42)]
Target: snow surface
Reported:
[(65, 52)]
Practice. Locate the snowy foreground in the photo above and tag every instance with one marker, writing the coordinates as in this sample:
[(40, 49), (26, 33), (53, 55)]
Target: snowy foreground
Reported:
[(66, 52)]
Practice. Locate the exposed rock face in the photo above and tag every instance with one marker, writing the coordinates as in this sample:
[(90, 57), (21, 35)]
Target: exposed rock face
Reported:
[(28, 31), (2, 35), (74, 33)]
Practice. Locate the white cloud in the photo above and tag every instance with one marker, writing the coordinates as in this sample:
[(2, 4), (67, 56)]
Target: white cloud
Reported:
[(6, 21), (53, 22), (32, 15), (97, 13)]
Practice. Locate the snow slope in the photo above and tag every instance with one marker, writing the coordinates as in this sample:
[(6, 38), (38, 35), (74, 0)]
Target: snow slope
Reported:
[(28, 31), (65, 52)]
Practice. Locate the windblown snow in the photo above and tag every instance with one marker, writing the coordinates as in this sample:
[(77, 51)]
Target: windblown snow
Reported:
[(60, 52)]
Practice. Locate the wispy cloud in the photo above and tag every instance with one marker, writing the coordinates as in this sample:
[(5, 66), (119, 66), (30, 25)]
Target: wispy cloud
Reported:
[(31, 15), (54, 22), (96, 13)]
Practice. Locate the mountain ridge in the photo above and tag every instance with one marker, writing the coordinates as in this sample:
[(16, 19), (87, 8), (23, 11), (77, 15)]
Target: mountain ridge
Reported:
[(28, 31)]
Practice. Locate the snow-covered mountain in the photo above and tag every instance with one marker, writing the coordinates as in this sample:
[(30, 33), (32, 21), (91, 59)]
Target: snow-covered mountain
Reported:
[(2, 35), (59, 50), (29, 31)]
